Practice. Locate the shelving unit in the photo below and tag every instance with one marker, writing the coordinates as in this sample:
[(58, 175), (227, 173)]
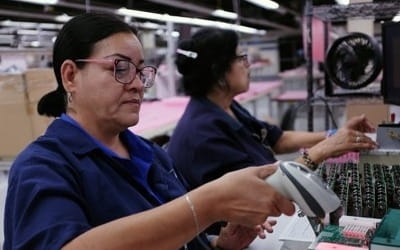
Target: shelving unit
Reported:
[(382, 10)]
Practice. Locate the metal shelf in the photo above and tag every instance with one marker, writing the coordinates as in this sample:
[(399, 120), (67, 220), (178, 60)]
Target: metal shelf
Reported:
[(42, 51), (377, 10)]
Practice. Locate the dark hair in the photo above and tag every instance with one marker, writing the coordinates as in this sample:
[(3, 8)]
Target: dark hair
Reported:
[(76, 40), (216, 49)]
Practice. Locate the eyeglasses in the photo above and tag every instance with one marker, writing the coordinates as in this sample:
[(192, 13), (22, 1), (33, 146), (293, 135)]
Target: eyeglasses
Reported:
[(125, 71), (243, 58)]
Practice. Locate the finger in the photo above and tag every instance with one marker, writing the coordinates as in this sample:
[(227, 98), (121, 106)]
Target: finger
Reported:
[(370, 127), (268, 227), (280, 205), (363, 146), (266, 170), (260, 232), (286, 207), (357, 119), (366, 125), (364, 141), (272, 222), (369, 140), (366, 145)]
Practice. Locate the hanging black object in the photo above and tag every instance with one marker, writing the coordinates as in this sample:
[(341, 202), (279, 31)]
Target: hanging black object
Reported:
[(354, 61)]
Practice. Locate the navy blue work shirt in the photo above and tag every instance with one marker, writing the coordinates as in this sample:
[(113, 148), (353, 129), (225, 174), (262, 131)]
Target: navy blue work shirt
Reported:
[(207, 142), (64, 184)]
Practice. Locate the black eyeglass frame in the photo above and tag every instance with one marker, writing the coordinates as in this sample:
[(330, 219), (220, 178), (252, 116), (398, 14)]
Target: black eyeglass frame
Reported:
[(243, 58)]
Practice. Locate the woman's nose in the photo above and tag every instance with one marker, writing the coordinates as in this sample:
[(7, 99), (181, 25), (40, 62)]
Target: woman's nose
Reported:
[(136, 84)]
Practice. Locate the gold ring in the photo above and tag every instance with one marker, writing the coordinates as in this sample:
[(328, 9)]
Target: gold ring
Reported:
[(358, 139)]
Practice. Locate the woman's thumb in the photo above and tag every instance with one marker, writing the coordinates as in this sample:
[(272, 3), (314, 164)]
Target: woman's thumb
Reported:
[(267, 170)]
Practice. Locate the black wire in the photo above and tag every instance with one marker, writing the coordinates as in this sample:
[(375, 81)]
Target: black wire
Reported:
[(311, 100)]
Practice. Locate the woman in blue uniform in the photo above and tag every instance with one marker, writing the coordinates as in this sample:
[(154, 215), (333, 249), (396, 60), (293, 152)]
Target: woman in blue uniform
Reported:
[(89, 183), (217, 135)]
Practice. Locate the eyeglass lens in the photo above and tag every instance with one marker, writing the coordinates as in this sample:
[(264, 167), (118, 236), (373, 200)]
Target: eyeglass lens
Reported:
[(125, 72), (244, 59)]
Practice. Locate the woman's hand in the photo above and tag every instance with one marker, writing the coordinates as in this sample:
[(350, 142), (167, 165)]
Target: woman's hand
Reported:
[(237, 237), (345, 140), (351, 137), (245, 198), (360, 123)]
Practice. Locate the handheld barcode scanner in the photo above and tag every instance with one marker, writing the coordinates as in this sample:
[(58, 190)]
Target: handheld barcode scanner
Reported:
[(306, 189)]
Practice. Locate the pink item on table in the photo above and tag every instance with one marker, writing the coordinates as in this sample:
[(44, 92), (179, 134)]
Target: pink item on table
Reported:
[(257, 89), (348, 157), (334, 246), (292, 95)]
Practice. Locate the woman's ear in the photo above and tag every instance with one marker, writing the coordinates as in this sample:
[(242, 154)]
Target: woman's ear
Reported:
[(68, 75)]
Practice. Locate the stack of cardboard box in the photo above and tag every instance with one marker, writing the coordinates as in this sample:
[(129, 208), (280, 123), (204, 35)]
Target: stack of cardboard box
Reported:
[(20, 123)]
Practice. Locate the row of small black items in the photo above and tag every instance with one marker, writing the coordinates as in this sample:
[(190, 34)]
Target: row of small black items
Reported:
[(368, 191)]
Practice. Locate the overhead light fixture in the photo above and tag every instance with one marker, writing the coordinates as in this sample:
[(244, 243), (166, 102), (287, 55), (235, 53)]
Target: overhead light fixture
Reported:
[(188, 20), (148, 25), (266, 4), (343, 2), (139, 14), (35, 44), (396, 18), (45, 2), (224, 14), (35, 32), (63, 18), (30, 25)]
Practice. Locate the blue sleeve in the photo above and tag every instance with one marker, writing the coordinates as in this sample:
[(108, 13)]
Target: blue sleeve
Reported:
[(44, 205), (274, 133), (211, 158)]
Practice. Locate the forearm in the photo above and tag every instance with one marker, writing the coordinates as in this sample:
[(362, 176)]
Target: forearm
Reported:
[(315, 156), (170, 225), (292, 141)]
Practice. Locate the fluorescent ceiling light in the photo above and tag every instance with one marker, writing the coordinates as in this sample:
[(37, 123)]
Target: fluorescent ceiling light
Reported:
[(267, 4), (35, 32), (63, 18), (343, 2), (188, 20), (149, 25), (47, 2), (139, 14), (224, 14), (35, 44), (30, 25), (396, 18)]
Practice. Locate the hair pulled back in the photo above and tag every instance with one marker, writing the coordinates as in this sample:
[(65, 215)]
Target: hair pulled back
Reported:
[(76, 41), (216, 49)]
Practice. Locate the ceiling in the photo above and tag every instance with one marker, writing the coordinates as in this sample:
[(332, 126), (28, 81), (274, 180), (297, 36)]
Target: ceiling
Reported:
[(285, 21), (286, 18)]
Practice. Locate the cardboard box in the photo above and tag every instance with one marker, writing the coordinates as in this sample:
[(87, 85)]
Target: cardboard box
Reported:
[(39, 81), (375, 110), (20, 123), (12, 89), (15, 129)]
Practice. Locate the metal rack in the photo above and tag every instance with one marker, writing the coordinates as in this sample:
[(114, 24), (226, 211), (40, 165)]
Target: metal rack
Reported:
[(382, 10)]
